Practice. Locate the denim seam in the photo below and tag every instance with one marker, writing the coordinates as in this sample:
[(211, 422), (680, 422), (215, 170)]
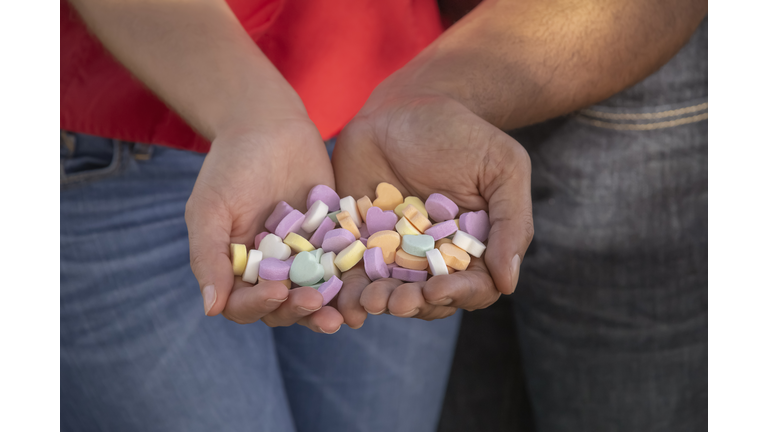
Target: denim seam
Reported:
[(643, 126), (95, 175), (644, 116)]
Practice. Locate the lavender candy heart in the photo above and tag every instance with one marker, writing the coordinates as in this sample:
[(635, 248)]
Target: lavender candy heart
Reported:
[(363, 228), (290, 223), (317, 237), (329, 289), (390, 267), (440, 207), (442, 229), (476, 224), (336, 240), (279, 213), (408, 275), (375, 267), (324, 194), (378, 220), (274, 270)]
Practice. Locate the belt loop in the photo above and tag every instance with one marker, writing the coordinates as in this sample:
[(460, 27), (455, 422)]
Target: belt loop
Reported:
[(67, 141), (141, 151)]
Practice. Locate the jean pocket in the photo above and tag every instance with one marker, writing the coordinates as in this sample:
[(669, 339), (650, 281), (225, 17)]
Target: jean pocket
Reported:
[(644, 119), (88, 158)]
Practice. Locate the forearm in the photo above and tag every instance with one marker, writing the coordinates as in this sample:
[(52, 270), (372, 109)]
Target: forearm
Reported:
[(520, 62), (197, 57)]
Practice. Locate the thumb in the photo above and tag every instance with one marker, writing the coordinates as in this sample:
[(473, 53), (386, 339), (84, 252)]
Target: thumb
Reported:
[(511, 217), (209, 239)]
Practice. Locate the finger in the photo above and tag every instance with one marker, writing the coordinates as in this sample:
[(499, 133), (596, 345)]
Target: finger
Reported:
[(209, 227), (407, 301), (509, 205), (250, 303), (348, 301), (327, 320), (301, 302), (375, 296), (471, 289)]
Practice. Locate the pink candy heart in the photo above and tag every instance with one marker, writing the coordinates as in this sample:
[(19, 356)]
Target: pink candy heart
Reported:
[(378, 220)]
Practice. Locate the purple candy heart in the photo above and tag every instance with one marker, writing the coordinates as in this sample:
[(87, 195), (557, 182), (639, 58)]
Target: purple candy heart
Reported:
[(329, 289), (364, 231), (378, 220), (375, 267), (390, 267), (290, 223), (274, 270), (442, 229), (476, 224), (317, 237), (336, 240), (324, 194), (279, 213), (408, 275), (440, 207)]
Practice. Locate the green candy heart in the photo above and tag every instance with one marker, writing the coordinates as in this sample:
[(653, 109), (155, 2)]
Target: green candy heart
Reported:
[(333, 217), (317, 253), (418, 245), (306, 270)]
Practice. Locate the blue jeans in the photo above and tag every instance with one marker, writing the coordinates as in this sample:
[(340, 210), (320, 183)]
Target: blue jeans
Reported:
[(137, 353)]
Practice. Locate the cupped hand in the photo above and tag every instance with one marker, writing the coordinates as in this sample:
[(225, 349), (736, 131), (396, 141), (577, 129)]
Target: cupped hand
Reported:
[(244, 175), (423, 144)]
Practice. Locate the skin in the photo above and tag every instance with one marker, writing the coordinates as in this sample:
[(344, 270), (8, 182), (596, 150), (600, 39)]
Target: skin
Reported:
[(264, 147), (506, 64), (436, 125)]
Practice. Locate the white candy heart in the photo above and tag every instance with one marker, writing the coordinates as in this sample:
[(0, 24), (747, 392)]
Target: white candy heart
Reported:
[(329, 268), (350, 204), (314, 216), (272, 246)]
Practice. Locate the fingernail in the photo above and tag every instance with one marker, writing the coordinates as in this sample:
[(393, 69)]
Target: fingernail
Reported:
[(408, 314), (276, 300), (515, 272), (209, 298), (321, 329), (376, 313), (445, 301), (303, 309)]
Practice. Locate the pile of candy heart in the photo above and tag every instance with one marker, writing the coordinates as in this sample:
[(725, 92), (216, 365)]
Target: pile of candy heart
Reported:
[(401, 238)]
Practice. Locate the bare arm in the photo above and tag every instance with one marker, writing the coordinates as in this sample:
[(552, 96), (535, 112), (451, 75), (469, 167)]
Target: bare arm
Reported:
[(518, 62), (197, 57)]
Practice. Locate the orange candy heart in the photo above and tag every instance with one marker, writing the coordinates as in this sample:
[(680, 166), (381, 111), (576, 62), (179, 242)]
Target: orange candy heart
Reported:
[(387, 197), (388, 241), (455, 257)]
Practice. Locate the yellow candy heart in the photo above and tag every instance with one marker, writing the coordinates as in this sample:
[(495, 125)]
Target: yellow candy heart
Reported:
[(414, 201)]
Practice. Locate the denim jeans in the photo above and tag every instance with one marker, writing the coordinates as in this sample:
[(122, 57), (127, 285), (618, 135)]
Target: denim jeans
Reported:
[(612, 301), (138, 354)]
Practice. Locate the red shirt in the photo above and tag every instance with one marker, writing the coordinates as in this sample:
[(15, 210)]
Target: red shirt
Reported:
[(333, 53)]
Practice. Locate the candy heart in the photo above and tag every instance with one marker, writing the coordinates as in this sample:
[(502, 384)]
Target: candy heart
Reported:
[(379, 220), (442, 229), (336, 240), (363, 204), (414, 201), (441, 208), (272, 246), (375, 267), (388, 241), (455, 257), (329, 289), (306, 270), (476, 224), (418, 220), (290, 223), (274, 270), (387, 196), (418, 245), (330, 269), (324, 194), (279, 213), (326, 225)]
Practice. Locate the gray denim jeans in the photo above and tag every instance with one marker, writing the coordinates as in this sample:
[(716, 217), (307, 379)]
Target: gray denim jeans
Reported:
[(612, 301)]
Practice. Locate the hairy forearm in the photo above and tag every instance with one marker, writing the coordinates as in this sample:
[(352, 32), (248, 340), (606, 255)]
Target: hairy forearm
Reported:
[(520, 62), (195, 55)]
